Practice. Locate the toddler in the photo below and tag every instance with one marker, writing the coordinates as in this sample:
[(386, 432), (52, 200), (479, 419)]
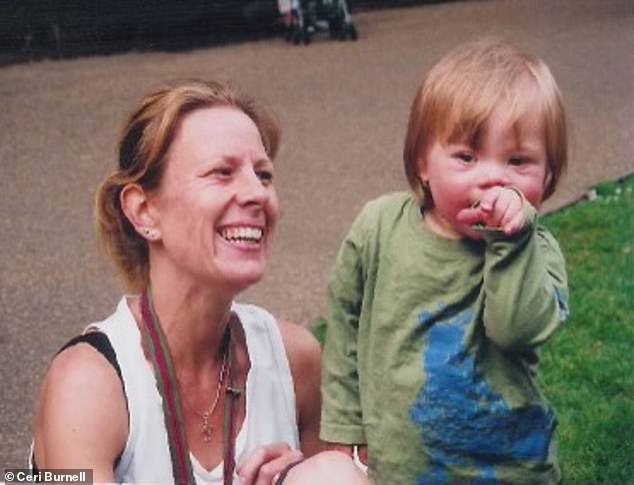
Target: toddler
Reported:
[(441, 298)]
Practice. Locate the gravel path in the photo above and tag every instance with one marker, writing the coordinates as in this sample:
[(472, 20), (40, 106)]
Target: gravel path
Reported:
[(343, 108)]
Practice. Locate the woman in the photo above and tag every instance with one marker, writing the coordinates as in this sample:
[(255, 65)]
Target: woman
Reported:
[(192, 382)]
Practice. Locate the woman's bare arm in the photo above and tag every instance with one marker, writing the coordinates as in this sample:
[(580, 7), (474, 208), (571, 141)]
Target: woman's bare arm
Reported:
[(81, 419), (304, 355)]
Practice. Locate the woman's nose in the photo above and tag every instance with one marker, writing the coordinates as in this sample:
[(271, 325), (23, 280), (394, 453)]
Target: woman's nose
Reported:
[(251, 189)]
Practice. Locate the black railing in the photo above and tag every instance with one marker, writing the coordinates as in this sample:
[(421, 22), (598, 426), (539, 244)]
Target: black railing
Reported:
[(34, 29)]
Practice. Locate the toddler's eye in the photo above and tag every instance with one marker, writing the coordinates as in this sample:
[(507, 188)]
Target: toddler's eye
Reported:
[(516, 161), (466, 157)]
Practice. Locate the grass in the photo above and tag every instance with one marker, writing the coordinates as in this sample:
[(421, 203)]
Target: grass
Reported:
[(587, 372), (587, 369)]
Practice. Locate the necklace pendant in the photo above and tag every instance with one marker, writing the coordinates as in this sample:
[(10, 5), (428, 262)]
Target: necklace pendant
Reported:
[(206, 428)]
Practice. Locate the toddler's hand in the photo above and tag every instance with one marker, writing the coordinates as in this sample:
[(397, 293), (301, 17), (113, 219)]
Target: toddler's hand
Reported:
[(499, 208)]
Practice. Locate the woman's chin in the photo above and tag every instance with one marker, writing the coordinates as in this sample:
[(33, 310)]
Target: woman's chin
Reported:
[(240, 265), (240, 279)]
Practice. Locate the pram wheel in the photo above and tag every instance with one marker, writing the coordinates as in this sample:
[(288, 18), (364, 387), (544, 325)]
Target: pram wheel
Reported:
[(334, 28), (348, 31), (300, 36), (352, 32)]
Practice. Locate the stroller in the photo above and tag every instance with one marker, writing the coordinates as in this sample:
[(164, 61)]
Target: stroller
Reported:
[(311, 16)]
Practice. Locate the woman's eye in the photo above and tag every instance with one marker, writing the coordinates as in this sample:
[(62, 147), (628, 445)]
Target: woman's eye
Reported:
[(265, 176), (222, 172)]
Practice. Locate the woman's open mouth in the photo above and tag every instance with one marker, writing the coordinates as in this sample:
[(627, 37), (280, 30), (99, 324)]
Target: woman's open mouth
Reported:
[(242, 235)]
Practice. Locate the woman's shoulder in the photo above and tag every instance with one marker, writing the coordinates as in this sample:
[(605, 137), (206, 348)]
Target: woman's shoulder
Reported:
[(81, 398), (80, 366), (295, 338), (84, 361), (301, 345), (119, 320)]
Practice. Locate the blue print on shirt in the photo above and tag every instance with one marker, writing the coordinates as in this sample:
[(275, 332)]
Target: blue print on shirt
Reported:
[(463, 421)]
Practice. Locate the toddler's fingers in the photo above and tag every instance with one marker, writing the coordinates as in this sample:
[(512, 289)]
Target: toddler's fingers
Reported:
[(471, 216), (489, 198), (501, 204), (515, 205), (515, 225), (502, 211)]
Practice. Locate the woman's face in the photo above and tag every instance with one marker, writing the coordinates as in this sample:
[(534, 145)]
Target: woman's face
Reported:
[(216, 206)]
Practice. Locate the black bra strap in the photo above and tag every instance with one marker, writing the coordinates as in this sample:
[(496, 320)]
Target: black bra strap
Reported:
[(101, 344)]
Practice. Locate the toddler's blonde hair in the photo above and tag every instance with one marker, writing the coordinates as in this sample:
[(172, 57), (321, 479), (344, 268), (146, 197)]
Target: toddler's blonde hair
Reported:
[(460, 93)]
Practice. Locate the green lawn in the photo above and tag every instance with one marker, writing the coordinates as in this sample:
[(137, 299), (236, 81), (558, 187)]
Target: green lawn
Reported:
[(586, 369)]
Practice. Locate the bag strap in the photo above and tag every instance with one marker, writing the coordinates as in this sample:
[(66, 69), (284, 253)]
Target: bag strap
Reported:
[(232, 394), (159, 353)]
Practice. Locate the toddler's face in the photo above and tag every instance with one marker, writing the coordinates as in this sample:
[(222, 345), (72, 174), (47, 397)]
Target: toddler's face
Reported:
[(459, 173)]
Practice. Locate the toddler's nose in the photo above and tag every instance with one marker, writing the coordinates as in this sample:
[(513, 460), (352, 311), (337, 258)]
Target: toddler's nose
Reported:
[(493, 175)]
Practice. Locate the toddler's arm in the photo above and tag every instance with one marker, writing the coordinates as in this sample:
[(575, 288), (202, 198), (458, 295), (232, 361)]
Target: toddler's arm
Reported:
[(341, 408), (526, 293)]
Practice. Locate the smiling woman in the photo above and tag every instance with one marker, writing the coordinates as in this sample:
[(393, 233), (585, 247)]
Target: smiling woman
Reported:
[(216, 194), (152, 131), (182, 384)]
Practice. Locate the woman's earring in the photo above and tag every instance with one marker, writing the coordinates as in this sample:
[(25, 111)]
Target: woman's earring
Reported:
[(150, 234)]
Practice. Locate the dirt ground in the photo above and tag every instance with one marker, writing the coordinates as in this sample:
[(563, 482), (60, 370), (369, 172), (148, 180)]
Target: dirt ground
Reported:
[(343, 108)]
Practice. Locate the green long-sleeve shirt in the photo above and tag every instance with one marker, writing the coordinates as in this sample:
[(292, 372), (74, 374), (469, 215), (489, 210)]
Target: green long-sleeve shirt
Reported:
[(432, 349)]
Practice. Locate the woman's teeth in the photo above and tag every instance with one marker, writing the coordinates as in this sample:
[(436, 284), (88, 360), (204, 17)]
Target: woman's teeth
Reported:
[(242, 234)]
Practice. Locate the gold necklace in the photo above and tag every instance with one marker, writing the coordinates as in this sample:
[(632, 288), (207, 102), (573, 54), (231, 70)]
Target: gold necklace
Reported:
[(206, 427)]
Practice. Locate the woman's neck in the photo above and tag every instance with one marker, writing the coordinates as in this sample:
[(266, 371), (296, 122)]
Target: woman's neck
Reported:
[(194, 320)]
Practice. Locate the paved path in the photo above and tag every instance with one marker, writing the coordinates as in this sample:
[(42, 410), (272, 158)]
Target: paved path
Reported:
[(343, 107)]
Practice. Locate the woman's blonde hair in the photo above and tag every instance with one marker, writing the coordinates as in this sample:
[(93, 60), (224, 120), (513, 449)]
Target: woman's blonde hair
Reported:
[(460, 93), (145, 141)]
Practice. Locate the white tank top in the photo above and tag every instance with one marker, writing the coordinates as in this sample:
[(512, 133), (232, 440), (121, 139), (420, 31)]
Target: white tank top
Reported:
[(270, 413)]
